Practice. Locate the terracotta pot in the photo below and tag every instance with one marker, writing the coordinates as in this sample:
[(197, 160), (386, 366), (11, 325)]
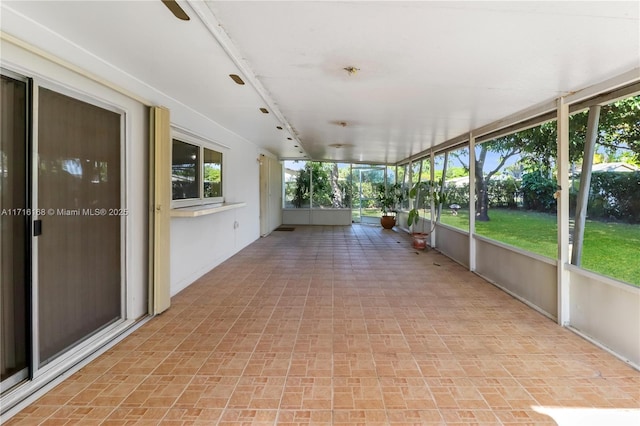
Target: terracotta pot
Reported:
[(388, 222), (419, 240)]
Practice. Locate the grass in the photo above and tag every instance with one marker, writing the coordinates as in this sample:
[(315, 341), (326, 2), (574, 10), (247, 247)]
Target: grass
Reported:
[(613, 249), (609, 248), (366, 213)]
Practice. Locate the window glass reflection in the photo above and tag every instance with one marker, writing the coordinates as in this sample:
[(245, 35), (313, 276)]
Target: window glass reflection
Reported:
[(184, 170), (212, 173)]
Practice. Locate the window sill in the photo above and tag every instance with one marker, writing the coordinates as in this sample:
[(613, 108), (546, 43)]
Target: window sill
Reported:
[(204, 209)]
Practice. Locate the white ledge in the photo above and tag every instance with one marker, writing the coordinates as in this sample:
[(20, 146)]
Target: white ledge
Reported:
[(204, 209)]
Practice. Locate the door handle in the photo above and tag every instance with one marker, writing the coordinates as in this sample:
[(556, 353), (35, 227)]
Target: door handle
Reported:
[(37, 227)]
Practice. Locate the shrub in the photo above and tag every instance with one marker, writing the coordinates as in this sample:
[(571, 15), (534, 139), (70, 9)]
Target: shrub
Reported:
[(503, 193), (615, 196), (458, 194), (538, 192)]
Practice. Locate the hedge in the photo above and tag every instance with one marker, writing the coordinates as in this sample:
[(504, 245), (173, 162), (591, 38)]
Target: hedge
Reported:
[(614, 196)]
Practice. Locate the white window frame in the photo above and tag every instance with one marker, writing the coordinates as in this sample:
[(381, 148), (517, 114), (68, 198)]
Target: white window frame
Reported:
[(202, 144)]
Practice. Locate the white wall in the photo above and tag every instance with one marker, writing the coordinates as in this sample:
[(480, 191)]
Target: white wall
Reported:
[(199, 244), (296, 216), (316, 216), (453, 243), (530, 277), (606, 311)]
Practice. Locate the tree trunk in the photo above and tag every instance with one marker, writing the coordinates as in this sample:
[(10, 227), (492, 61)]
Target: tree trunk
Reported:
[(337, 197), (482, 200), (482, 193)]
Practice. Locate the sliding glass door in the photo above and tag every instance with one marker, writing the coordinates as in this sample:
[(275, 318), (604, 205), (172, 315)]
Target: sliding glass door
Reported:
[(365, 208), (79, 241), (61, 224), (14, 221)]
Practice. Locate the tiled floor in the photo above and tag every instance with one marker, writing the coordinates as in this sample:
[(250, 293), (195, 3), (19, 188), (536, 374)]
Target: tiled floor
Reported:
[(344, 326)]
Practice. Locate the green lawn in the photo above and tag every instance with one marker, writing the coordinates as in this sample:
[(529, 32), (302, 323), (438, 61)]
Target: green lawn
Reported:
[(366, 213), (611, 249)]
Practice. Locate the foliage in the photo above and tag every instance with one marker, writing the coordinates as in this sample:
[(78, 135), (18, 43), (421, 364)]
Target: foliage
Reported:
[(413, 217), (618, 129), (302, 189), (421, 193), (365, 188), (538, 192), (212, 181), (456, 172), (613, 196), (459, 194), (424, 192), (329, 188), (390, 197), (212, 174), (504, 192)]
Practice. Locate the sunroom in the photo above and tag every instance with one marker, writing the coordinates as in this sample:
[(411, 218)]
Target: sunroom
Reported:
[(152, 151)]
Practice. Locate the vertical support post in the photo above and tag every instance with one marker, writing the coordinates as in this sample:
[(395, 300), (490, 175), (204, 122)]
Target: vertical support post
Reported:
[(472, 204), (410, 183), (264, 166), (563, 213), (311, 191), (585, 184), (442, 183), (419, 200), (432, 178)]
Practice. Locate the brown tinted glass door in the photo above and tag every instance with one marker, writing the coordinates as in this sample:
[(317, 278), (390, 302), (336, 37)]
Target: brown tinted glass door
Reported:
[(14, 333), (79, 249)]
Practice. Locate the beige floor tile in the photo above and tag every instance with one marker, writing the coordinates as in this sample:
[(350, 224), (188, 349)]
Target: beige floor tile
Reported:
[(308, 327)]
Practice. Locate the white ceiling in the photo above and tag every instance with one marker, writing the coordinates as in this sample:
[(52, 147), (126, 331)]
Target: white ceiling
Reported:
[(428, 71)]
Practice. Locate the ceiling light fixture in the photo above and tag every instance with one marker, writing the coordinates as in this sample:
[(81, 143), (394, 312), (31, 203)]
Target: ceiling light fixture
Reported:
[(351, 70), (175, 8), (264, 110), (237, 79)]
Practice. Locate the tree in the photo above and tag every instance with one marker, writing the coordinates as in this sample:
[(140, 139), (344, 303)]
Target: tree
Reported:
[(302, 191), (320, 181), (337, 198), (507, 147), (618, 131)]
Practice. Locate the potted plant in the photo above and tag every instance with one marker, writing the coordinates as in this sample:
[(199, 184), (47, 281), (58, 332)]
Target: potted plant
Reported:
[(389, 198), (424, 192)]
